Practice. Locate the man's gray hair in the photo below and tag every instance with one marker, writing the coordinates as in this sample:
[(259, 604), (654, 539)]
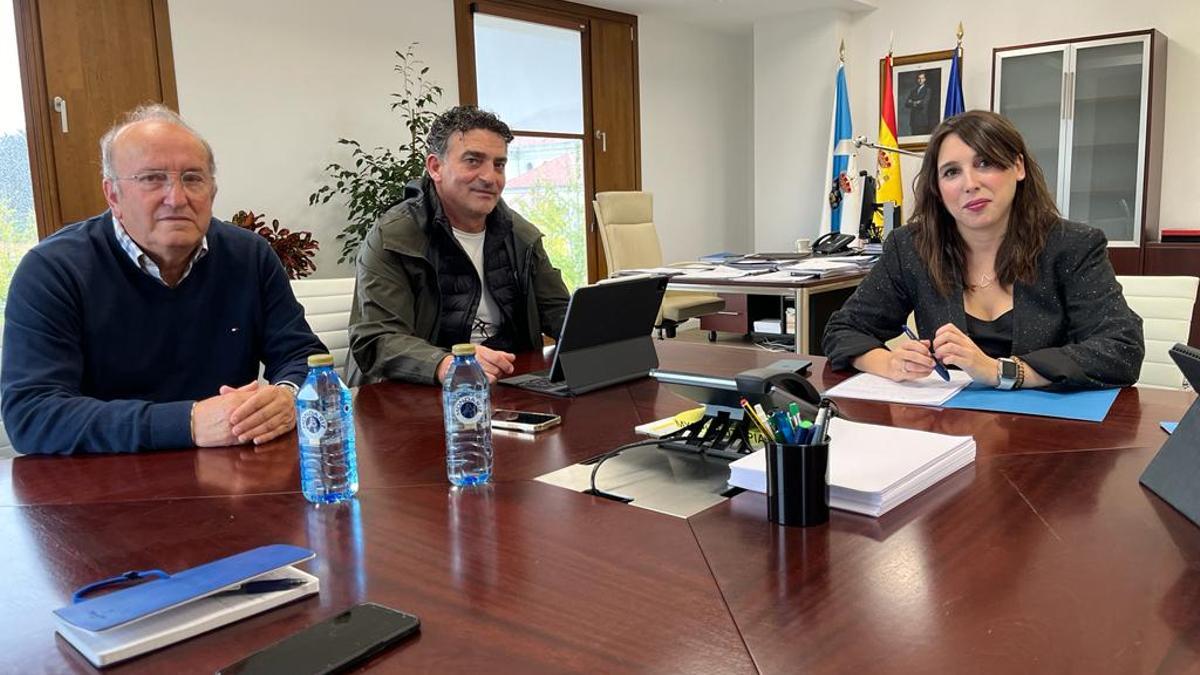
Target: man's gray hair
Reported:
[(145, 113)]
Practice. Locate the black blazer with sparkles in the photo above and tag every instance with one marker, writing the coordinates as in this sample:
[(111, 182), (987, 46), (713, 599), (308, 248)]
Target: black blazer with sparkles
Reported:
[(1072, 326)]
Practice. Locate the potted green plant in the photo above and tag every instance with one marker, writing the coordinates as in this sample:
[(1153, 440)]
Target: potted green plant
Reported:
[(295, 249), (374, 180)]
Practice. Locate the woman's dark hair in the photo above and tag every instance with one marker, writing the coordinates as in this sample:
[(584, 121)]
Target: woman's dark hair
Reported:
[(1033, 212)]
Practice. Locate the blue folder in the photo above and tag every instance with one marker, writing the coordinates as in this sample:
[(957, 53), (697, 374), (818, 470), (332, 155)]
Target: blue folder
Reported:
[(1168, 427), (152, 597), (1088, 405)]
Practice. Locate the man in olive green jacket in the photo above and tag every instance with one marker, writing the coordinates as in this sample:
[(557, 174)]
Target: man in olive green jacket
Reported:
[(452, 263)]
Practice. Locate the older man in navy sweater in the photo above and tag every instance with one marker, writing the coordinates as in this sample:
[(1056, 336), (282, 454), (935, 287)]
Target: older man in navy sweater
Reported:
[(143, 328)]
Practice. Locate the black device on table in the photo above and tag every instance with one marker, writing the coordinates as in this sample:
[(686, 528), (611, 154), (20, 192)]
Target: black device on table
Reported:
[(1175, 470), (332, 645), (832, 243), (605, 338), (722, 432)]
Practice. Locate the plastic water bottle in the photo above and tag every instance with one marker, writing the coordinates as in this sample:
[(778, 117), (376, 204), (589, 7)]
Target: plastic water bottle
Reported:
[(325, 424), (467, 409)]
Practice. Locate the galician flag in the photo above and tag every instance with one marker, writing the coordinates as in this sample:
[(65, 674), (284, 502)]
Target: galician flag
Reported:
[(890, 188), (954, 95), (840, 210)]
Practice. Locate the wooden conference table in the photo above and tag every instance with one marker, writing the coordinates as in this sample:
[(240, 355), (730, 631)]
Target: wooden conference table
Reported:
[(1045, 555)]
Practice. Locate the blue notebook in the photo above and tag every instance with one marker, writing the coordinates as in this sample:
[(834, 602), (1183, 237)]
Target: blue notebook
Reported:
[(131, 621), (1088, 405)]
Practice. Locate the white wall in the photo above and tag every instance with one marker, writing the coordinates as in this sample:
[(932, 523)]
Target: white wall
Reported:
[(274, 87), (795, 61), (274, 90), (795, 58), (697, 136), (925, 25)]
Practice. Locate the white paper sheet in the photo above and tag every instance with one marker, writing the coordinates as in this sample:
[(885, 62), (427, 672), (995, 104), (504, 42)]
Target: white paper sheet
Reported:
[(930, 390)]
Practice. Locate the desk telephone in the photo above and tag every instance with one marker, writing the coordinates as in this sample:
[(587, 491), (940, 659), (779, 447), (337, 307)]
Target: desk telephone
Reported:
[(781, 385), (831, 243)]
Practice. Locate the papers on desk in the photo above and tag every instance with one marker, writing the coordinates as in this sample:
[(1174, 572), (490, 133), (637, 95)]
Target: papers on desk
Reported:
[(667, 271), (772, 277), (930, 390), (873, 469), (720, 258), (719, 272), (822, 266), (1086, 405)]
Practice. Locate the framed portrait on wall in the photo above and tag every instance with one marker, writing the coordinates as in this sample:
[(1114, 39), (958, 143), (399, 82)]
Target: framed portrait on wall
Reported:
[(919, 84)]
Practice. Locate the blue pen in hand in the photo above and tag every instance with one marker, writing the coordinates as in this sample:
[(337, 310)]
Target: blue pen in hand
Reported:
[(938, 366)]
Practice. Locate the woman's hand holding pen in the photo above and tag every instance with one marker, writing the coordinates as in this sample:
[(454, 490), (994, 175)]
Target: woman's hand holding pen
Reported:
[(954, 348), (909, 360)]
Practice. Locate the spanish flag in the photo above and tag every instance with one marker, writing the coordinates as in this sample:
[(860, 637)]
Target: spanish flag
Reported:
[(887, 173)]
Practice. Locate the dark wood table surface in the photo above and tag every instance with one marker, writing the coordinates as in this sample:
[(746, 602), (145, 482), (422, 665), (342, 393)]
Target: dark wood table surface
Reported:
[(1045, 555)]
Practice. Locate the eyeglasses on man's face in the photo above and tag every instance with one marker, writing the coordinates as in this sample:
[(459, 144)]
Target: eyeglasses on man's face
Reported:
[(193, 182)]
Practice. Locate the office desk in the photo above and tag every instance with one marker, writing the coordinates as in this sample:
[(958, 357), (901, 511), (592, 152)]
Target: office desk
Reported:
[(811, 313), (1044, 555)]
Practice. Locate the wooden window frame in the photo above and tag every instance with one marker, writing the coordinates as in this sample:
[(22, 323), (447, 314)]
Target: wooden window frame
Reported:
[(567, 15), (38, 111)]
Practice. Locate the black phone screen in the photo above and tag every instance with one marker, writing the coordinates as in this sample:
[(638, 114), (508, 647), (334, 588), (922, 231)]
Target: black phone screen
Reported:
[(333, 644)]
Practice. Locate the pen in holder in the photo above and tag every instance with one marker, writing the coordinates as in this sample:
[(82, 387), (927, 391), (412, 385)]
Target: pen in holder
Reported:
[(797, 483)]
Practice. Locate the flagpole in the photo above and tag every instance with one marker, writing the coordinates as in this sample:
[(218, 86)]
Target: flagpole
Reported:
[(860, 141)]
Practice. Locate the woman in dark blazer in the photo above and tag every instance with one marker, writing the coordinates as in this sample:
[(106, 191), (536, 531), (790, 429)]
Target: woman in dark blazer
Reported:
[(1010, 292)]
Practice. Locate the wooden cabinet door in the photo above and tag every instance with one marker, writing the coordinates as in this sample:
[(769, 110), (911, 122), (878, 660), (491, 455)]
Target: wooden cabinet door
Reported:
[(91, 62), (614, 98)]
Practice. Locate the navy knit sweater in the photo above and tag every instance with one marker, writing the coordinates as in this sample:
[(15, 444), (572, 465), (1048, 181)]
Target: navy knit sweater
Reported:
[(100, 357)]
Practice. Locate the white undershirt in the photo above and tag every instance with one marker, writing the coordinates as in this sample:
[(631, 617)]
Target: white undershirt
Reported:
[(487, 318)]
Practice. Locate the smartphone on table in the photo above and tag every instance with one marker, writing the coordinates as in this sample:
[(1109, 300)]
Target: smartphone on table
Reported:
[(528, 422), (333, 645)]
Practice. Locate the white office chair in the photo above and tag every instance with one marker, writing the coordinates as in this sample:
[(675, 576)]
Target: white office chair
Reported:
[(6, 448), (627, 233), (1165, 305), (327, 308)]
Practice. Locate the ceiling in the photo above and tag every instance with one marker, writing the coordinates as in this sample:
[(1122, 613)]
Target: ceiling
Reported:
[(727, 15)]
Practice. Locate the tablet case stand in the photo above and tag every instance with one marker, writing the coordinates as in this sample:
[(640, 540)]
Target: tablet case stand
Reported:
[(1174, 473)]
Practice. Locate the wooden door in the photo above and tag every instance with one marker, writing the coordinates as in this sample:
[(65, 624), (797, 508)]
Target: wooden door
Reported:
[(615, 124), (84, 63)]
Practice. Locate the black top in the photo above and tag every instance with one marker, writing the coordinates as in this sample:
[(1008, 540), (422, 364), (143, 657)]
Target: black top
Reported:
[(993, 337), (1072, 325)]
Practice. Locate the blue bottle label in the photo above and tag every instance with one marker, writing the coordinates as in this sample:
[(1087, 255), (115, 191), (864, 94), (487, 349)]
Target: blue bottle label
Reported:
[(313, 425), (468, 410)]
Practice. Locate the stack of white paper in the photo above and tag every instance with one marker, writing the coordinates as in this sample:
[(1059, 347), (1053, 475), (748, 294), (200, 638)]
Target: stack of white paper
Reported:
[(822, 266), (929, 390), (873, 469)]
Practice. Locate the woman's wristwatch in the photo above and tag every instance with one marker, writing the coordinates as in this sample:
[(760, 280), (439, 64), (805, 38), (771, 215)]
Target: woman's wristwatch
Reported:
[(1010, 372)]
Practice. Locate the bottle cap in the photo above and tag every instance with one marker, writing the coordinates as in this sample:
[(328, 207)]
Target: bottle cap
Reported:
[(320, 360), (463, 350)]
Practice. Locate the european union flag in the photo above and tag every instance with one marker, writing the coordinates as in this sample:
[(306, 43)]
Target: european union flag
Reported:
[(954, 95)]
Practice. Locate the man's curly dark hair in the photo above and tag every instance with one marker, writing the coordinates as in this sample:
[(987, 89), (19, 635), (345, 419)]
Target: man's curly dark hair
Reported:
[(461, 119)]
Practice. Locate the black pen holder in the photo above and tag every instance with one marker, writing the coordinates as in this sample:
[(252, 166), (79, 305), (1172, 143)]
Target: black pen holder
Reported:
[(797, 484)]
